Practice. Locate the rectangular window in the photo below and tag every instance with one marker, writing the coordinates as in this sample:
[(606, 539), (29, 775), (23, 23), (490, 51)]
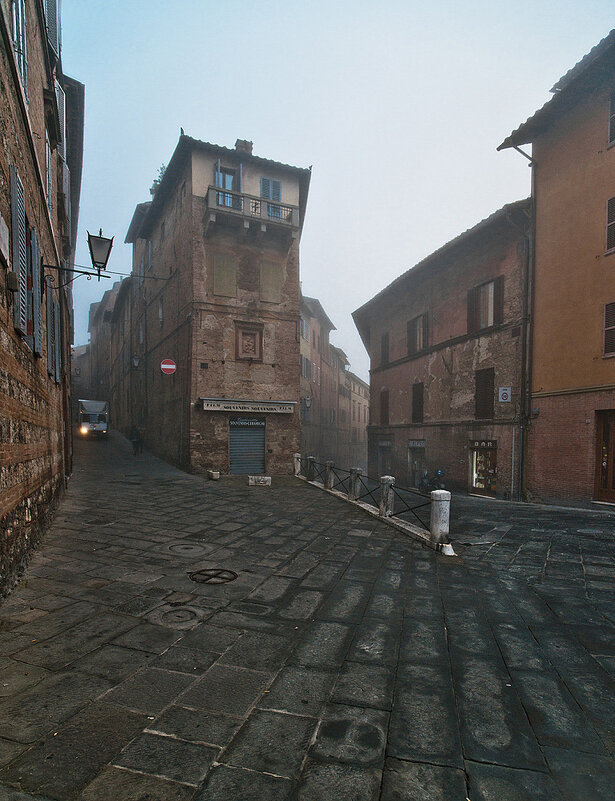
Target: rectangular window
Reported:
[(610, 224), (486, 305), (271, 281), (272, 190), (484, 384), (225, 275), (609, 329), (226, 178), (52, 23), (384, 349), (417, 335), (417, 402), (19, 42), (384, 407)]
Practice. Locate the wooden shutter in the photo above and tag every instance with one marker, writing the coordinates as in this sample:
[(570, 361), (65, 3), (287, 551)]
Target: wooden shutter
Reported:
[(425, 322), (225, 275), (61, 98), (610, 224), (49, 302), (472, 310), (498, 300), (19, 42), (53, 25), (19, 252), (58, 341), (609, 329), (266, 188), (418, 391), (37, 322), (384, 407), (484, 400), (276, 190)]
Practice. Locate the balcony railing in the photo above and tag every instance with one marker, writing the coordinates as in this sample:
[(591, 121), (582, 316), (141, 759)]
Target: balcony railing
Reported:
[(249, 206)]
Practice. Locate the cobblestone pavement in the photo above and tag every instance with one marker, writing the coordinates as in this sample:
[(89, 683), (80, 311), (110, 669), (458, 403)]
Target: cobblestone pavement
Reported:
[(344, 662)]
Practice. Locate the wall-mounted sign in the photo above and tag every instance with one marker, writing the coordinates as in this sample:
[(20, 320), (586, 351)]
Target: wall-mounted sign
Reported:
[(246, 421), (259, 407), (168, 366), (416, 443), (504, 394), (483, 443)]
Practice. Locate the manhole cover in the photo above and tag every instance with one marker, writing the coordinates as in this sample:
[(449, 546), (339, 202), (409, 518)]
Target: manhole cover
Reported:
[(213, 575), (187, 549), (179, 616)]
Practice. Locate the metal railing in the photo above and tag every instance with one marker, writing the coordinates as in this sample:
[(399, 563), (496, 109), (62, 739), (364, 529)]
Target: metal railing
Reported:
[(251, 206), (383, 494)]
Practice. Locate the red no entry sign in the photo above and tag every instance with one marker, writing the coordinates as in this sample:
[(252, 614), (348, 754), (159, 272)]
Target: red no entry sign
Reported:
[(168, 366)]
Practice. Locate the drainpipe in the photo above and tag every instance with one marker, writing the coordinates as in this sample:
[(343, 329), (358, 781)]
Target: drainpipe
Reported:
[(527, 331)]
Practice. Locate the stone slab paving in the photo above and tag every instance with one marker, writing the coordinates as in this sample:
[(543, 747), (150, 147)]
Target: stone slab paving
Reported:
[(344, 661)]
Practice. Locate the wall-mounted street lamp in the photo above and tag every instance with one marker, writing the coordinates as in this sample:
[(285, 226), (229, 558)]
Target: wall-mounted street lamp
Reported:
[(306, 404), (136, 361), (100, 250)]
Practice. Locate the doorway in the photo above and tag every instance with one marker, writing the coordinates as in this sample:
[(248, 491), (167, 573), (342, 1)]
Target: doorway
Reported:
[(604, 489), (384, 458), (247, 446), (483, 467), (416, 463)]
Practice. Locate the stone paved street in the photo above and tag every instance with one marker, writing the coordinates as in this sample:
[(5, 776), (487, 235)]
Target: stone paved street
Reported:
[(344, 662)]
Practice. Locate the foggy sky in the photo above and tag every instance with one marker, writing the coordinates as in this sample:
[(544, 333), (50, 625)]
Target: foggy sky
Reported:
[(399, 107)]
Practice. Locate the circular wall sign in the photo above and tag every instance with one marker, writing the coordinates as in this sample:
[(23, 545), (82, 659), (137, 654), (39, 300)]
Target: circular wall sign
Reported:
[(168, 366)]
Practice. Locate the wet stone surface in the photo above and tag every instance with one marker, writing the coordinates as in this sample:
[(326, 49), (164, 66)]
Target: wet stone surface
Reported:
[(344, 661)]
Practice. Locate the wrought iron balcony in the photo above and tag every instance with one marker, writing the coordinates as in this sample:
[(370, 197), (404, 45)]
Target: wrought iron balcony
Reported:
[(249, 207)]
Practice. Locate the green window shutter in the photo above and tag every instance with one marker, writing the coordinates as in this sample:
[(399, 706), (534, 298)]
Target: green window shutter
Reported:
[(57, 335), (36, 295), (225, 275), (49, 302), (19, 252), (52, 21)]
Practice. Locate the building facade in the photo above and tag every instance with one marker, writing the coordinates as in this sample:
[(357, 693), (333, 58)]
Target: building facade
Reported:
[(327, 430), (41, 135), (446, 342), (571, 353), (215, 291)]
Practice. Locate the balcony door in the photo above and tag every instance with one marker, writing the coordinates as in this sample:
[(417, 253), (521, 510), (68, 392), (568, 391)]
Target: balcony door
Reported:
[(227, 179)]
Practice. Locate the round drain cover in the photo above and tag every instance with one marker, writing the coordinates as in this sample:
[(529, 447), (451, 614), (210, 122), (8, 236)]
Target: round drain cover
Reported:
[(187, 549), (213, 575), (179, 616)]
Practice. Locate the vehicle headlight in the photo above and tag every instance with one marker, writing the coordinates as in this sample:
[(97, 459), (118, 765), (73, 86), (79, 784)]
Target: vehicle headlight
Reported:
[(84, 429)]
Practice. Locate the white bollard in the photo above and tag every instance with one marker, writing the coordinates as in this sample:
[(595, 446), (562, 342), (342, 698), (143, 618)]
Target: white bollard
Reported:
[(440, 517)]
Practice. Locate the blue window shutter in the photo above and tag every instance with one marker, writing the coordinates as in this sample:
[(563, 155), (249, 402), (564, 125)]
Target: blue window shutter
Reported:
[(276, 190), (19, 257), (51, 358), (36, 295), (266, 188)]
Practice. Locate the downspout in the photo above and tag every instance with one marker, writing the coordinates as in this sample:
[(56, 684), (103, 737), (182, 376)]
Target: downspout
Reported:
[(527, 332), (527, 329)]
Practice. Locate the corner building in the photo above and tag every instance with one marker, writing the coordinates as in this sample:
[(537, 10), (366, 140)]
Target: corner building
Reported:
[(215, 288), (571, 409)]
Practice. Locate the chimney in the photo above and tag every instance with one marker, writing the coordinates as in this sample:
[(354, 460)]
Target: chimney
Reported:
[(243, 146)]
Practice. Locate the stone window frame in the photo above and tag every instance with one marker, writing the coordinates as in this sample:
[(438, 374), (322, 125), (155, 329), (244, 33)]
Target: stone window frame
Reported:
[(250, 328)]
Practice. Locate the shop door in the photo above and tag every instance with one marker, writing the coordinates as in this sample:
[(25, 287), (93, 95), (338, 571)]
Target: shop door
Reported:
[(247, 446), (605, 466), (416, 466), (483, 470)]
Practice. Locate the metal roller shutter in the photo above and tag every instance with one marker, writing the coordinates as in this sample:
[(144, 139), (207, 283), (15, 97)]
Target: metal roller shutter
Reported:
[(247, 446)]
